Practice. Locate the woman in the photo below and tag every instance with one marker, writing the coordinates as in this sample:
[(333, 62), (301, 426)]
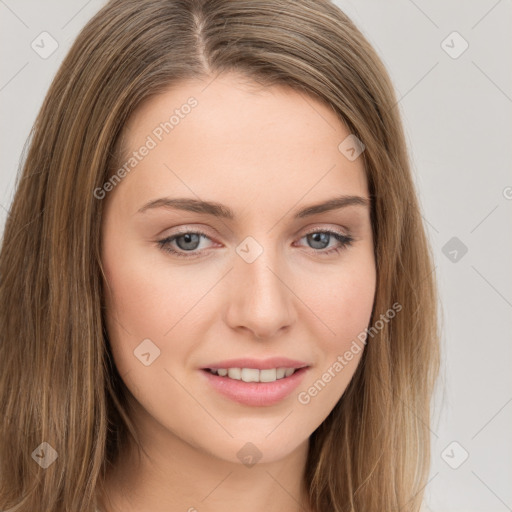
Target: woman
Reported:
[(216, 290)]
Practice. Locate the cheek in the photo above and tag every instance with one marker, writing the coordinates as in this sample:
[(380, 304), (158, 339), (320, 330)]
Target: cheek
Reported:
[(149, 297), (343, 298), (351, 303), (137, 307), (132, 300)]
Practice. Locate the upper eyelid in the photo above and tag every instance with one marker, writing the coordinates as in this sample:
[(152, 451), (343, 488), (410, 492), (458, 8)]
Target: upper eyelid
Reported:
[(320, 229), (342, 230)]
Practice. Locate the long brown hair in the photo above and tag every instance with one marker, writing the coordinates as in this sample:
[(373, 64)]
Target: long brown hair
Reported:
[(58, 384)]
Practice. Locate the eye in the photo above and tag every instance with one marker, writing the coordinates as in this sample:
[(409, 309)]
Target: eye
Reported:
[(188, 242), (320, 240)]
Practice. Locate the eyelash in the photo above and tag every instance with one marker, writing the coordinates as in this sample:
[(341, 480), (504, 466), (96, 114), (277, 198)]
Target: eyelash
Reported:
[(344, 240)]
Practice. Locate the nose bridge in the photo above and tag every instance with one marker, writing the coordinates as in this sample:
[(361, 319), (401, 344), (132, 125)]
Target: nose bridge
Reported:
[(260, 300)]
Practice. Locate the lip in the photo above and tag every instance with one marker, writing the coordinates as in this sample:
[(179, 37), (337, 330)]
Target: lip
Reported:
[(255, 394), (259, 364)]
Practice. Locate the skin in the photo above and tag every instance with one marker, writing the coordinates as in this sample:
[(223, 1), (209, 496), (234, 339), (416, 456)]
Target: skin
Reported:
[(265, 153)]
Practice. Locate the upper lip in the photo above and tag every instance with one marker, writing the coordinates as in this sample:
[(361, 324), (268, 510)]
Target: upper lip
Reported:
[(260, 364)]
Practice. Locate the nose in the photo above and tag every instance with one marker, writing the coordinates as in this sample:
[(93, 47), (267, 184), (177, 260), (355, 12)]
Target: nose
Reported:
[(260, 298)]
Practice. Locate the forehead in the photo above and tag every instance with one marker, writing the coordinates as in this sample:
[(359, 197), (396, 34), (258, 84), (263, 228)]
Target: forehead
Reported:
[(238, 142)]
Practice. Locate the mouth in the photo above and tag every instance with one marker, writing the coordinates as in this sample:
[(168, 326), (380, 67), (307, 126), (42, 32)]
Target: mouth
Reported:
[(254, 374), (255, 387)]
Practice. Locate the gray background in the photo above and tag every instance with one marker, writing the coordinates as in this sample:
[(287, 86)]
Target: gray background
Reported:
[(457, 116)]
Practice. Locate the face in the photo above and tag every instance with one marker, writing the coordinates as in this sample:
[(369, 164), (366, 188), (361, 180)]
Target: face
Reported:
[(258, 280)]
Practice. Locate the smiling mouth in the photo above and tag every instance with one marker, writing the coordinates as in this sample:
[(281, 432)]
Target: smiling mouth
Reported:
[(253, 374)]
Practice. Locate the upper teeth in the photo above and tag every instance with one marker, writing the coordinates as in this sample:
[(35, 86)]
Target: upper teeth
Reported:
[(253, 374)]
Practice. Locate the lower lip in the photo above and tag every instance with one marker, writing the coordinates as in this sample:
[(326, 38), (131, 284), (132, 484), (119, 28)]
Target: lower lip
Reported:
[(256, 394)]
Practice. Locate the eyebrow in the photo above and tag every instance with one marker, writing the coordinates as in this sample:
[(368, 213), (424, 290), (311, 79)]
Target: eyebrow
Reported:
[(222, 211)]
